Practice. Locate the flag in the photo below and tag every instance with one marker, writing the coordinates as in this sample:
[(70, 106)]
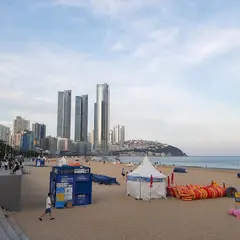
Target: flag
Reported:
[(151, 181)]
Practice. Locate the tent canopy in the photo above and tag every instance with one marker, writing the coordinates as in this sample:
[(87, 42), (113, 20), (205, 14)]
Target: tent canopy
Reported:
[(138, 182), (62, 161), (145, 170)]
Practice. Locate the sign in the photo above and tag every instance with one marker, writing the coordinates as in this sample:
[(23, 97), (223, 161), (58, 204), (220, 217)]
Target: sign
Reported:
[(81, 199), (81, 170), (82, 177), (237, 197), (59, 203), (66, 182)]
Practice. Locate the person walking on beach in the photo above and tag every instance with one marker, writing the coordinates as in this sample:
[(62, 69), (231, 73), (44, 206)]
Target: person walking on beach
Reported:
[(48, 209), (123, 172)]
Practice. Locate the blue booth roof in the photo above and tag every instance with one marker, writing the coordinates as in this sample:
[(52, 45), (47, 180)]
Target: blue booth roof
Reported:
[(65, 169)]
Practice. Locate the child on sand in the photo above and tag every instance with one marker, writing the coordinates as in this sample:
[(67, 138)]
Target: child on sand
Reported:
[(48, 209)]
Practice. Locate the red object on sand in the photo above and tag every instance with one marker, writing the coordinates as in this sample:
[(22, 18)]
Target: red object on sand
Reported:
[(168, 181), (151, 181), (172, 178)]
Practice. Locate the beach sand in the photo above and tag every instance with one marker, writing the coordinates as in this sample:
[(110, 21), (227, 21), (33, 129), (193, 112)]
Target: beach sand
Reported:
[(114, 216)]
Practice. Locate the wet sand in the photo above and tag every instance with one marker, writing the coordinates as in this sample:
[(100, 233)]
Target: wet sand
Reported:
[(114, 216)]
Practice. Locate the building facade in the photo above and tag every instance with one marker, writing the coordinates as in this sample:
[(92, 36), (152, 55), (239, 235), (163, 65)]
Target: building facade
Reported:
[(81, 118), (20, 125), (5, 134), (39, 133), (27, 140), (64, 114), (102, 118), (49, 143), (118, 134), (111, 136)]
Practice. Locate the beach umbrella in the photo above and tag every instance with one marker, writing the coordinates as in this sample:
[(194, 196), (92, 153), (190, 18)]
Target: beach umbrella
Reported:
[(151, 181), (168, 181), (172, 178)]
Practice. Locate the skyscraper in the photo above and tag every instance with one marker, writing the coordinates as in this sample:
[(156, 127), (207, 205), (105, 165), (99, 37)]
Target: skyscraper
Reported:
[(20, 124), (4, 133), (81, 118), (102, 117), (64, 114), (39, 132), (119, 134)]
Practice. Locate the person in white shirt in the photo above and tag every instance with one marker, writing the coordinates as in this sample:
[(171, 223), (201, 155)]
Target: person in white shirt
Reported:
[(48, 209)]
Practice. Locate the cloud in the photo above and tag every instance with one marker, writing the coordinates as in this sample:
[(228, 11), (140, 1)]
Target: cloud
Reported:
[(169, 80), (117, 47), (112, 8)]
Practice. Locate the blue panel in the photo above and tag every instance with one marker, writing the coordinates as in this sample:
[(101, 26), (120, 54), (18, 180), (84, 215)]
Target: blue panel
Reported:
[(82, 177), (82, 199)]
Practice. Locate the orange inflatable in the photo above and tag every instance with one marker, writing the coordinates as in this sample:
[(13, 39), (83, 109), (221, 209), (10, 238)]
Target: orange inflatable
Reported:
[(193, 192)]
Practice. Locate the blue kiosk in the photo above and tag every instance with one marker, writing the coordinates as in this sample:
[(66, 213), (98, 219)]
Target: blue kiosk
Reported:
[(40, 162), (70, 184)]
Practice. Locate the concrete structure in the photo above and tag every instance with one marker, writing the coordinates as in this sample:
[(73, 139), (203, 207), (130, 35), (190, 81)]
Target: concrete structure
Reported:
[(49, 143), (20, 124), (39, 133), (81, 118), (118, 134), (10, 190), (102, 118), (82, 148), (64, 114), (5, 134), (64, 145)]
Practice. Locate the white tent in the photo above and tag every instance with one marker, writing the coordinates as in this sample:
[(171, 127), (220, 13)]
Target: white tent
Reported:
[(138, 182), (62, 161)]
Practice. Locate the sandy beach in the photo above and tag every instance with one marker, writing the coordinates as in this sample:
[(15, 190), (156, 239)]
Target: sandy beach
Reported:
[(113, 215)]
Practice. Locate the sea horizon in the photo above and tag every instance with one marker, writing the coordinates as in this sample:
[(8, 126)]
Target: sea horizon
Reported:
[(216, 162)]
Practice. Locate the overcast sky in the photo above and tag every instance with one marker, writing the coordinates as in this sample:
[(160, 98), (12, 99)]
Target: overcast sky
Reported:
[(172, 66)]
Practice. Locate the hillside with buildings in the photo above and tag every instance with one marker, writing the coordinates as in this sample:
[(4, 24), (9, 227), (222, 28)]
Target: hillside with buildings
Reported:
[(152, 148)]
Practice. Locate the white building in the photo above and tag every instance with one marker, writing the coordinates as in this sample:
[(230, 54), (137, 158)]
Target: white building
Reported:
[(118, 134), (5, 133), (20, 125)]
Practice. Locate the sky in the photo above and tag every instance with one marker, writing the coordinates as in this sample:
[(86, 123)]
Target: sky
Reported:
[(172, 66)]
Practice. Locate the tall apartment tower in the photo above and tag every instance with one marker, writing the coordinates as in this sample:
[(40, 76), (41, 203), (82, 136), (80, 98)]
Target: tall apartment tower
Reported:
[(102, 117), (119, 134), (5, 134), (64, 114), (111, 136), (81, 118), (20, 125), (39, 132)]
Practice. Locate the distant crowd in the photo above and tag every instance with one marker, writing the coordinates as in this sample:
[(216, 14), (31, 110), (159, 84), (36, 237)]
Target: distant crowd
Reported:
[(12, 163)]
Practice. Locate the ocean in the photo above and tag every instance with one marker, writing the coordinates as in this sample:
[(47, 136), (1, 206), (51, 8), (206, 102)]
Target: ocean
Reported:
[(211, 162)]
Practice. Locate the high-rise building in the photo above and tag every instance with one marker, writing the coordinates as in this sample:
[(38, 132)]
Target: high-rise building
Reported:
[(111, 136), (64, 114), (81, 118), (119, 134), (39, 132), (102, 117), (91, 137), (20, 125), (122, 134), (5, 133), (49, 143), (27, 141)]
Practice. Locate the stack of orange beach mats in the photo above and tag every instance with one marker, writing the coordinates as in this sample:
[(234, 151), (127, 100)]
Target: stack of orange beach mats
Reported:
[(194, 192)]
